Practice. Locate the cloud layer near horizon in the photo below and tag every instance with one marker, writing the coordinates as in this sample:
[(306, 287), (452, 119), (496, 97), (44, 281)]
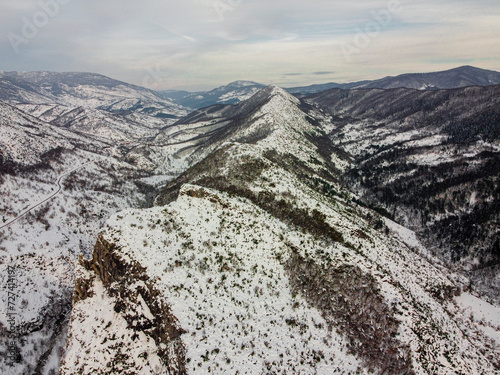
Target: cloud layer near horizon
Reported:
[(205, 43)]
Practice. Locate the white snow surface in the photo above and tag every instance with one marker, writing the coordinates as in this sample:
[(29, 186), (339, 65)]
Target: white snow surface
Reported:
[(219, 262), (231, 277), (483, 312)]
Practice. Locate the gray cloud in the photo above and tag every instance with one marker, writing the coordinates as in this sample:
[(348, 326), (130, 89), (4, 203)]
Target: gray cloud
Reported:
[(323, 73), (212, 42)]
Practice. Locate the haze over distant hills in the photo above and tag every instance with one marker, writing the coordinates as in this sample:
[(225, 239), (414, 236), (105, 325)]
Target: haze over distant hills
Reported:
[(241, 90)]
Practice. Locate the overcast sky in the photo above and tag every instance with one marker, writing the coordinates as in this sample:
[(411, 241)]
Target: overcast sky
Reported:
[(200, 44)]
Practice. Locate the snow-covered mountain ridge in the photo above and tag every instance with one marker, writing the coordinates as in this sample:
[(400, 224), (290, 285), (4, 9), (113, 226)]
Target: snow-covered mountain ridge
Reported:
[(258, 260), (74, 89), (231, 93), (57, 97)]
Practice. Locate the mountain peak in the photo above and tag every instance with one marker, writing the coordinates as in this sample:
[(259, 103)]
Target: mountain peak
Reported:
[(272, 91), (461, 76), (242, 83)]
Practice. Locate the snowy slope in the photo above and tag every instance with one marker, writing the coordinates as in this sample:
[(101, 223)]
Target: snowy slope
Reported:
[(431, 161), (99, 124), (59, 185), (258, 261), (25, 139), (194, 137), (43, 245)]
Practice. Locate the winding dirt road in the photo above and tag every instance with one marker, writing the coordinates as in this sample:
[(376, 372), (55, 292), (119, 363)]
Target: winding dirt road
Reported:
[(59, 188)]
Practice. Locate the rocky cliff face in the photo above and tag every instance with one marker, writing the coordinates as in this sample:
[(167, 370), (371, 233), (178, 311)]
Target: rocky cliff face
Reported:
[(259, 261), (133, 296)]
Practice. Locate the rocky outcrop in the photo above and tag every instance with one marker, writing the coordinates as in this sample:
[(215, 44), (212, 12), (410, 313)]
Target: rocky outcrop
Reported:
[(130, 287)]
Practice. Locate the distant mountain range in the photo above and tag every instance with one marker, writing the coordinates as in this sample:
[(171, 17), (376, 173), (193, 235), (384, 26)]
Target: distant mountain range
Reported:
[(241, 90), (98, 106), (86, 90), (232, 93), (459, 77)]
